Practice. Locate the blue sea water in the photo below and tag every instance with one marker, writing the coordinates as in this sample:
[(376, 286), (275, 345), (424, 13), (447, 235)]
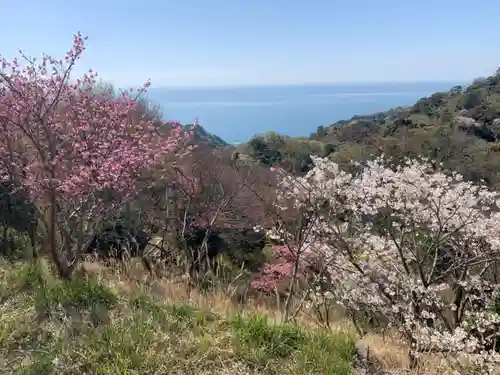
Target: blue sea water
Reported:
[(236, 114)]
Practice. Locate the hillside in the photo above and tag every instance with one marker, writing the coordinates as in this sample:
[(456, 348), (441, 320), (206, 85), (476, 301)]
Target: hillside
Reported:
[(459, 127)]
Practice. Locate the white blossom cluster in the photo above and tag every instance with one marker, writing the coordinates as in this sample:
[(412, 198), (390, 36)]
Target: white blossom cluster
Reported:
[(417, 245)]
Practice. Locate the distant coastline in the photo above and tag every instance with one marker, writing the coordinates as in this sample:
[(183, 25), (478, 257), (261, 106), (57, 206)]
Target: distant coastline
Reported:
[(236, 113)]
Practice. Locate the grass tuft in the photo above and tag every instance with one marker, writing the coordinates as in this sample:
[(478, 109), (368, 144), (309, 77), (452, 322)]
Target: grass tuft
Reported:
[(259, 343)]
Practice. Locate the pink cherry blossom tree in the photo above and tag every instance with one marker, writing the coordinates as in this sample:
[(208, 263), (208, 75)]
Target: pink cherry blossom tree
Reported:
[(75, 148)]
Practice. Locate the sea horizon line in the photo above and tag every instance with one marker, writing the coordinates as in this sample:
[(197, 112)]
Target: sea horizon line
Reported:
[(452, 83)]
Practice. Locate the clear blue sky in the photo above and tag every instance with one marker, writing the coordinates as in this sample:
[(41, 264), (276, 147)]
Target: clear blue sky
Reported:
[(232, 42)]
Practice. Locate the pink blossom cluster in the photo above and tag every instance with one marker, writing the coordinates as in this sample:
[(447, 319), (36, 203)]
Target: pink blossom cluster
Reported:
[(65, 134), (416, 245), (276, 273)]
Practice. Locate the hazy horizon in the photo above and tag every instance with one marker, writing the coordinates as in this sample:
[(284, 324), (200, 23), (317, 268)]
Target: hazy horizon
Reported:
[(452, 83)]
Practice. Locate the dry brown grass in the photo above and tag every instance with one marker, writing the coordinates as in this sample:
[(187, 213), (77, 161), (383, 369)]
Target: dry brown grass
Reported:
[(391, 354)]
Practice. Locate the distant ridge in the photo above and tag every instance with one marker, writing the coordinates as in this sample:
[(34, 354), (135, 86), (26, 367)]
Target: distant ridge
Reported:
[(203, 136)]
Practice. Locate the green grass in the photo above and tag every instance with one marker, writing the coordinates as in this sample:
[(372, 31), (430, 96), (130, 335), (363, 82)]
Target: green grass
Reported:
[(85, 327)]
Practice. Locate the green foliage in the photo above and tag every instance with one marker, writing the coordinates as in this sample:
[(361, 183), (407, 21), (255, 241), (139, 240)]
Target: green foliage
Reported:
[(321, 132), (430, 105), (470, 99), (456, 90), (328, 149), (292, 154), (266, 152)]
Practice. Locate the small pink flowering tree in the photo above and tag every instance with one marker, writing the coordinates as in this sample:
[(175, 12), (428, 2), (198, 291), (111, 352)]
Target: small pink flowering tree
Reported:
[(286, 273), (277, 271), (416, 245), (294, 258), (72, 147)]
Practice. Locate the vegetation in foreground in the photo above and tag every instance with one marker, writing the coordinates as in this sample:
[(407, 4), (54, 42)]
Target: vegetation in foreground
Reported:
[(84, 326)]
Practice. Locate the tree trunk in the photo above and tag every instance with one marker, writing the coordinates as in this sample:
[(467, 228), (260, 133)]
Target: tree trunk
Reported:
[(63, 269), (291, 288)]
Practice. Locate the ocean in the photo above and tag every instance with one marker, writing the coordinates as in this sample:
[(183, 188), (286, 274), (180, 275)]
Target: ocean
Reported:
[(236, 114)]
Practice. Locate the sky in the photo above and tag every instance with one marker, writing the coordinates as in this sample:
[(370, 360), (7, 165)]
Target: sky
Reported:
[(262, 42)]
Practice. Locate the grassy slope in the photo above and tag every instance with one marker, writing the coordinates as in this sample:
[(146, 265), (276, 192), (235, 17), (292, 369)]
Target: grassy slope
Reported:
[(88, 327)]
